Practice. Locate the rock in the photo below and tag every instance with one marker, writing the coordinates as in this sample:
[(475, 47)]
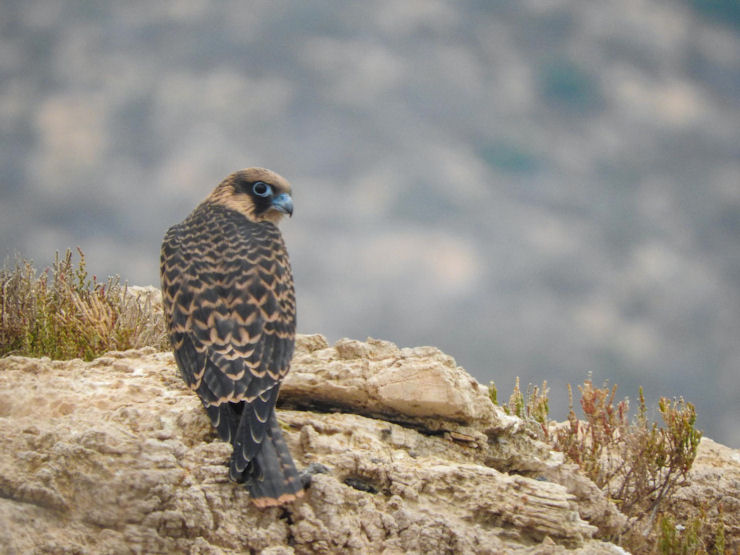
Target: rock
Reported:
[(713, 489), (421, 385), (117, 456)]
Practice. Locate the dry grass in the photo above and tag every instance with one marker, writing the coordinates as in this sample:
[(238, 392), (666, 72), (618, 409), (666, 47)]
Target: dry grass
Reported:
[(63, 313)]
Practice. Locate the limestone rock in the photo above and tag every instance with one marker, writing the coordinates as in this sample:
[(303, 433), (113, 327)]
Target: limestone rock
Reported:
[(713, 487), (376, 378), (117, 456)]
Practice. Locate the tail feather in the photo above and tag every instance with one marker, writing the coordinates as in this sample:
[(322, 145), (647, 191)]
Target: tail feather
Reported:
[(225, 418), (248, 437), (269, 473)]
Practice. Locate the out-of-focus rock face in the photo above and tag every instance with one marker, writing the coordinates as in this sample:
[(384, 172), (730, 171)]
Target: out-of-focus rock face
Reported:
[(117, 456)]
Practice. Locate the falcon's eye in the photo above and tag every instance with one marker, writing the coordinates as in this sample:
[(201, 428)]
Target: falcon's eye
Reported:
[(261, 189)]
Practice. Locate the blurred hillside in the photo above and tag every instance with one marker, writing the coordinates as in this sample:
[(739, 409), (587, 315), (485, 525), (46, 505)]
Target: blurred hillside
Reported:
[(540, 189)]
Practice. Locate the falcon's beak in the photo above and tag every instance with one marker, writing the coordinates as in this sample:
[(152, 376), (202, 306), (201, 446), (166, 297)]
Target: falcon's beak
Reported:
[(283, 203)]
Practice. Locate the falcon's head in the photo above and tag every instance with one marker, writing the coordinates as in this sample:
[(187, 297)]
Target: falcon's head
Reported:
[(259, 194)]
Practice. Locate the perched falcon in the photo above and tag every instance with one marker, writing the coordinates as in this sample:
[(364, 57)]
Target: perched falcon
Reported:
[(229, 303)]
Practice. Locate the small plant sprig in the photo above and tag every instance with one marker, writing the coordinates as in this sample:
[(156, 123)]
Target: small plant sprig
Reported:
[(700, 534), (533, 407), (587, 443), (64, 313)]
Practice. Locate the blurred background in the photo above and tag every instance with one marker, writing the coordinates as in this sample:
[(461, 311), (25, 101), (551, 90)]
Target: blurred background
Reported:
[(540, 189)]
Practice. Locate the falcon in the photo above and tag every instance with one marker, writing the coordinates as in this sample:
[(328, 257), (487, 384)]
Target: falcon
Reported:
[(229, 304)]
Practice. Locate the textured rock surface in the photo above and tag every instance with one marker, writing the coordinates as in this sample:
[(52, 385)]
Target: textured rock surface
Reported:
[(377, 378), (116, 456), (714, 486)]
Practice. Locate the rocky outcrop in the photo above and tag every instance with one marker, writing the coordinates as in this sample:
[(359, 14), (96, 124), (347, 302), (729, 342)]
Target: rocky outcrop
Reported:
[(117, 456)]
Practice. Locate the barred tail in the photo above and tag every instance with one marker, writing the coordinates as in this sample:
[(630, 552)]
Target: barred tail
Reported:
[(267, 470)]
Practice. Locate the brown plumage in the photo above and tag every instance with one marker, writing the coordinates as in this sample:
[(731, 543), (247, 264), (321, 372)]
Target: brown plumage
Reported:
[(229, 303)]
